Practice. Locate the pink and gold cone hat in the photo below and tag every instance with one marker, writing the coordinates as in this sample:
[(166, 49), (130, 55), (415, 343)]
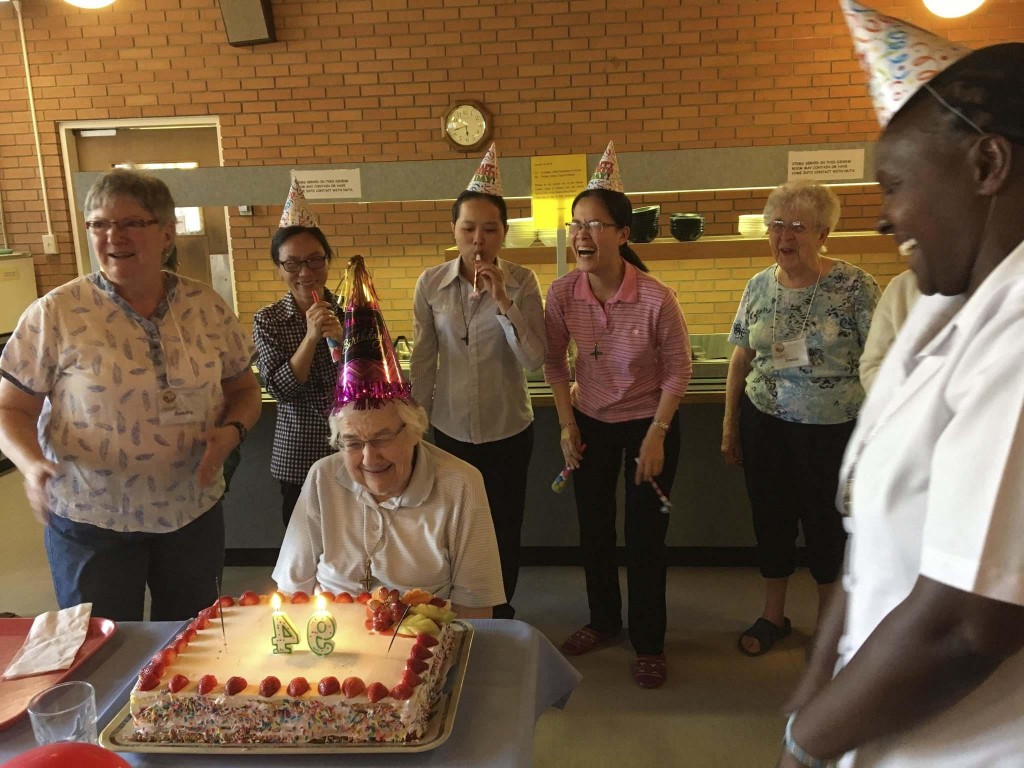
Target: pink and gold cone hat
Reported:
[(606, 174), (369, 375), (296, 210), (488, 176), (897, 56)]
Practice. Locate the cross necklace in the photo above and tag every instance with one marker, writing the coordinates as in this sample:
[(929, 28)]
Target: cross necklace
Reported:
[(462, 308), (368, 577), (596, 353)]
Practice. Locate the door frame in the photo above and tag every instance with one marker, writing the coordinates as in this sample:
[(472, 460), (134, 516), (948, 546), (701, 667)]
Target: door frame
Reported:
[(69, 155)]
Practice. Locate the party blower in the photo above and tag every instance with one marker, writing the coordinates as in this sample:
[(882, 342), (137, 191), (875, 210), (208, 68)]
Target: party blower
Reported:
[(331, 343), (563, 477)]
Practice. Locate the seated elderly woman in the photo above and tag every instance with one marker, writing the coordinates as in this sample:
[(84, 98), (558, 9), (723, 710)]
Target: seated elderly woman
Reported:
[(390, 508)]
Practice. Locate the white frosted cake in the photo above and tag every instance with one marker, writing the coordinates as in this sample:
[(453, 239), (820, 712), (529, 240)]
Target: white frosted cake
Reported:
[(268, 679)]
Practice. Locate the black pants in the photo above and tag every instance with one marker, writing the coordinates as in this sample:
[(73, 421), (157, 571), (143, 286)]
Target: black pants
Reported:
[(611, 448), (289, 495), (792, 473), (504, 464)]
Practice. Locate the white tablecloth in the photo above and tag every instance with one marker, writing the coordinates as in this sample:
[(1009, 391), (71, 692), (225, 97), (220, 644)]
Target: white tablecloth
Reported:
[(514, 674)]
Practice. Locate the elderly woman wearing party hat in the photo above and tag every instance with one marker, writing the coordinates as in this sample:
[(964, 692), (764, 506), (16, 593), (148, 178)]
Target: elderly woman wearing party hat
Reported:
[(927, 649), (293, 338), (632, 369), (389, 508), (479, 325)]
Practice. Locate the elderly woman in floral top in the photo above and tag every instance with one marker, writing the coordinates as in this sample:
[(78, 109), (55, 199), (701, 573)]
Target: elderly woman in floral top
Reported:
[(792, 396)]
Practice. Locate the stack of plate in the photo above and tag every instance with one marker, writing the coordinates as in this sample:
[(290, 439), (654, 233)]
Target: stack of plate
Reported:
[(752, 225), (521, 233), (645, 224), (548, 236)]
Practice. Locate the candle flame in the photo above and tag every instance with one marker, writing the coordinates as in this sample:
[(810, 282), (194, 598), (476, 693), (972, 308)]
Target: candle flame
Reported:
[(321, 604), (275, 601)]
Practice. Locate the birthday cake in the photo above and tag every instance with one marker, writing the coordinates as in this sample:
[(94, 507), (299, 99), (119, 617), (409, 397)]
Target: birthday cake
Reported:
[(299, 670)]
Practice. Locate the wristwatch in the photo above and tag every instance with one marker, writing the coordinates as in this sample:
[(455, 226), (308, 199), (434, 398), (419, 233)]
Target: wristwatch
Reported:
[(242, 431)]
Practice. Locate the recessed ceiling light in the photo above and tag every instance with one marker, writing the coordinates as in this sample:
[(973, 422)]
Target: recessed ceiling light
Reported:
[(951, 9)]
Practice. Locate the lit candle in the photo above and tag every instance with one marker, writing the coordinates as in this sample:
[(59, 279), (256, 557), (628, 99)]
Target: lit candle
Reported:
[(321, 629), (285, 635)]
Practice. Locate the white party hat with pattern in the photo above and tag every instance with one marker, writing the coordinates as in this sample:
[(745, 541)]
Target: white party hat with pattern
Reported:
[(488, 176), (897, 56), (296, 210), (606, 174)]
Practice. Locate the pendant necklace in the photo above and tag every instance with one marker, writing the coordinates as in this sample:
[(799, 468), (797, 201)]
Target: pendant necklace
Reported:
[(368, 577), (596, 353), (462, 308), (777, 345)]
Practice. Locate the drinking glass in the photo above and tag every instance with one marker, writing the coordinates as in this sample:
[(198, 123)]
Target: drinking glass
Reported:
[(65, 712)]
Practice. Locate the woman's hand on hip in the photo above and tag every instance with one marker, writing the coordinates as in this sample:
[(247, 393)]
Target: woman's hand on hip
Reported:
[(651, 460), (572, 445), (220, 441), (732, 452), (35, 478)]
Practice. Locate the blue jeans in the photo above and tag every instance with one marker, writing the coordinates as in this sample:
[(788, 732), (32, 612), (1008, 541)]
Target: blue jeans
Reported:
[(111, 569)]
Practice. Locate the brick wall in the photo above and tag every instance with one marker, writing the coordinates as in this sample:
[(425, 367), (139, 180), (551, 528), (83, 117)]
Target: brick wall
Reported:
[(368, 80)]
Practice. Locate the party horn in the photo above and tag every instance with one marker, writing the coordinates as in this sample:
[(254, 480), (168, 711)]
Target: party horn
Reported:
[(563, 477), (666, 505), (331, 343)]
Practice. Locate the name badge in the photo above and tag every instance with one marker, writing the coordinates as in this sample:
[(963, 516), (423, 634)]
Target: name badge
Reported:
[(182, 406), (790, 354)]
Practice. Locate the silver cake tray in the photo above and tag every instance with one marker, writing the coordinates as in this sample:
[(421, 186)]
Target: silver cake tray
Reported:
[(117, 736)]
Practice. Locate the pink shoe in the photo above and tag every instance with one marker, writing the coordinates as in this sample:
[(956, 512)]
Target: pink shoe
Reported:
[(585, 640), (650, 671)]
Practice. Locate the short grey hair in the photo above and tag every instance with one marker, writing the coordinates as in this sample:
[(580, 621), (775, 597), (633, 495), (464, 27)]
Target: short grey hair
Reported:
[(411, 414), (148, 191), (804, 195)]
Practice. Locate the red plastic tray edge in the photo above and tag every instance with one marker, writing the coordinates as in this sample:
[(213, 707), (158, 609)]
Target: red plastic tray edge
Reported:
[(16, 694)]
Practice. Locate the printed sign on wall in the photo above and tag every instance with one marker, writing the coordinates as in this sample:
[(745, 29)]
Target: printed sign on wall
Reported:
[(827, 165), (330, 185)]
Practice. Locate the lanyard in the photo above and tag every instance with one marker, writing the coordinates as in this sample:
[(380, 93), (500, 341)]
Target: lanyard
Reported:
[(775, 306)]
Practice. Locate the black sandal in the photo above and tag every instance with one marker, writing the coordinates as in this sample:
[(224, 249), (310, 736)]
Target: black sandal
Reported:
[(767, 633)]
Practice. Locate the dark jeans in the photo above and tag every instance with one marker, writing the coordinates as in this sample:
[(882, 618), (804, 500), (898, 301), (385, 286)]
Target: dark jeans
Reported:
[(289, 495), (111, 569), (504, 464), (792, 473), (611, 448)]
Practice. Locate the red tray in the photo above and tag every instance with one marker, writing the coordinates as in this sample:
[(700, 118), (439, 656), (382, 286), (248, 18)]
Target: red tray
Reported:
[(16, 694)]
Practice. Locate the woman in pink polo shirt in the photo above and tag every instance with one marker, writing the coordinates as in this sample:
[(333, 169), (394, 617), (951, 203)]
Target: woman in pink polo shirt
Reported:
[(632, 369)]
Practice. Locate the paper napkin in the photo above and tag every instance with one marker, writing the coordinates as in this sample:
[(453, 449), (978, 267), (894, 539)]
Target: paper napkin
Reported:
[(52, 642)]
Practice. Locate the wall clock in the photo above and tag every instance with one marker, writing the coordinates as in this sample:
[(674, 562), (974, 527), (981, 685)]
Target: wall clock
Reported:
[(467, 125)]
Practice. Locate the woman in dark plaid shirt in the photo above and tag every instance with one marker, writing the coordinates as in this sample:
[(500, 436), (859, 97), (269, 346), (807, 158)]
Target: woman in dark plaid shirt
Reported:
[(294, 359)]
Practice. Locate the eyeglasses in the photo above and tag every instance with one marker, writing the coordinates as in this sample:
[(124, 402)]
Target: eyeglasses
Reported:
[(595, 227), (317, 262), (381, 441), (133, 225), (778, 226)]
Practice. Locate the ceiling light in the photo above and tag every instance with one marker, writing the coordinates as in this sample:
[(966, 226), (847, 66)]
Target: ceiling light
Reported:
[(91, 4), (951, 9)]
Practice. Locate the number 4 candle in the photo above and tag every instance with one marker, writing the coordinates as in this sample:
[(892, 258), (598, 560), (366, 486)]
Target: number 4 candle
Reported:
[(285, 635)]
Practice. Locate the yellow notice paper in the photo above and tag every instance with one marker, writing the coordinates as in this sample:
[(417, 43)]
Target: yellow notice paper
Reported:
[(554, 182)]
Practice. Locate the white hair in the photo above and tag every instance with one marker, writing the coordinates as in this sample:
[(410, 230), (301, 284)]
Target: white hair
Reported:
[(411, 414)]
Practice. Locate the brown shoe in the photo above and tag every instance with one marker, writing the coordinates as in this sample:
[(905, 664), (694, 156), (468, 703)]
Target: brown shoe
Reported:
[(585, 640), (650, 671)]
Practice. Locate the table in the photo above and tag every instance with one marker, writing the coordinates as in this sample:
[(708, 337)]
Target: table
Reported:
[(514, 674)]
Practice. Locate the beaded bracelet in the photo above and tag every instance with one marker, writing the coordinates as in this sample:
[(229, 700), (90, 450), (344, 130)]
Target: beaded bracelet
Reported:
[(798, 752), (662, 425)]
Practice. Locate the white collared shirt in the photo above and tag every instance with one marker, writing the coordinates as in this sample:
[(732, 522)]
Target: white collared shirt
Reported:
[(476, 391), (437, 535), (938, 491)]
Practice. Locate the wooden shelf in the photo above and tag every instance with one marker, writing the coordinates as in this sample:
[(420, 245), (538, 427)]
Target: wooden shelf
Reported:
[(732, 246)]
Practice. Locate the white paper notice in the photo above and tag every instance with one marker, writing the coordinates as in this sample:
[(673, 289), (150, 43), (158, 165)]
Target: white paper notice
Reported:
[(330, 185), (827, 165)]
